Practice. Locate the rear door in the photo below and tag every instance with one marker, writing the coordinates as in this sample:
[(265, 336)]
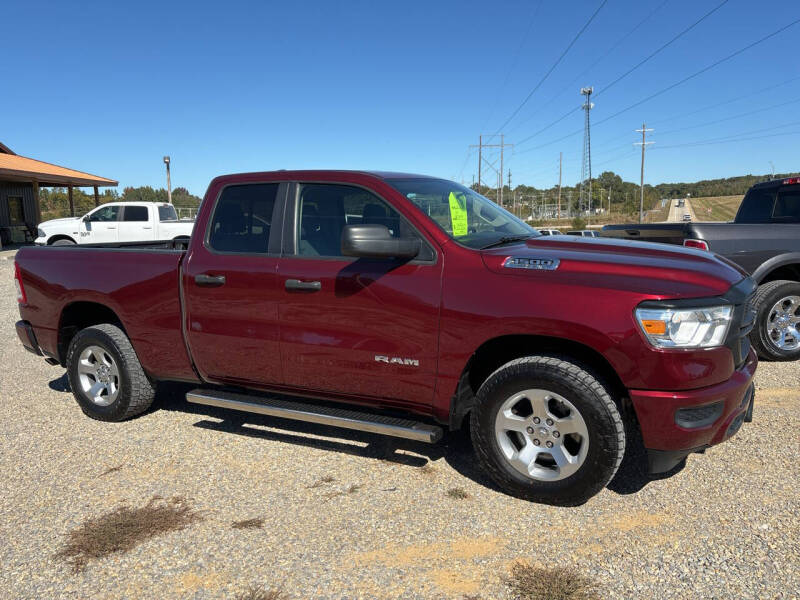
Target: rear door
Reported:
[(231, 291), (136, 224), (358, 327)]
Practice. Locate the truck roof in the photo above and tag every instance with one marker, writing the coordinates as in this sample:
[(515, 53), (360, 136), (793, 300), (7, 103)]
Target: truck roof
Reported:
[(300, 173)]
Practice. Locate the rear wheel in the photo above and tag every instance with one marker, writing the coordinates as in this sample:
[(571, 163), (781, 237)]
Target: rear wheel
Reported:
[(63, 242), (776, 335), (545, 429), (106, 376)]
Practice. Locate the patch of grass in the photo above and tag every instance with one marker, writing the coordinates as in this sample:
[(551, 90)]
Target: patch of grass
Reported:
[(715, 208), (124, 528), (111, 470), (560, 583), (457, 493), (257, 592), (255, 523), (322, 481)]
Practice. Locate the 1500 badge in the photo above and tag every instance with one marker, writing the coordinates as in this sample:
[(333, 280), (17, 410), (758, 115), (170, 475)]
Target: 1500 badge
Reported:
[(396, 360)]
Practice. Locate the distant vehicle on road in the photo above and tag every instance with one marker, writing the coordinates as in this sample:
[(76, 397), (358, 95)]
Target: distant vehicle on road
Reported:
[(550, 232), (687, 217), (584, 233), (764, 240), (116, 222)]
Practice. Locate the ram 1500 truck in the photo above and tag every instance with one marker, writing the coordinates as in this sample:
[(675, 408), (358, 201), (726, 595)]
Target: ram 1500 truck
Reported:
[(764, 240), (116, 222), (405, 305)]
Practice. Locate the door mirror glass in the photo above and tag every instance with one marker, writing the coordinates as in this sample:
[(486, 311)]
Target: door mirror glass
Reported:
[(376, 241)]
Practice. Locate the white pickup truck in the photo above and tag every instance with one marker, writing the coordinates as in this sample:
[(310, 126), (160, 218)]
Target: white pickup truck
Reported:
[(116, 222)]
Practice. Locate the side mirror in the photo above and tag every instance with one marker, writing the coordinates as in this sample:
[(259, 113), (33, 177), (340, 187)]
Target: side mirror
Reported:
[(375, 241)]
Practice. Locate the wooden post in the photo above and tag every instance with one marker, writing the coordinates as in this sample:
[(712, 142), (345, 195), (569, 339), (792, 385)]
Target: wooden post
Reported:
[(96, 197), (71, 203), (36, 202)]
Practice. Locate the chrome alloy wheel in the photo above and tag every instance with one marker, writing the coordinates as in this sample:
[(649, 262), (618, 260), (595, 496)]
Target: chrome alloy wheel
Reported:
[(783, 323), (542, 435), (98, 375)]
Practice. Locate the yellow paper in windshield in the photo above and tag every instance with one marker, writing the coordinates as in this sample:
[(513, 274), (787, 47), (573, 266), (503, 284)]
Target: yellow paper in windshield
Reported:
[(458, 214)]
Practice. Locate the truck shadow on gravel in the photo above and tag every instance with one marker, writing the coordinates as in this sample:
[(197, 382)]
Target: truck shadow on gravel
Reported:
[(455, 448)]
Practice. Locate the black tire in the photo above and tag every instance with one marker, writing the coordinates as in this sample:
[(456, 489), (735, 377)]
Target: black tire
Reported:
[(63, 242), (136, 391), (765, 298), (574, 382)]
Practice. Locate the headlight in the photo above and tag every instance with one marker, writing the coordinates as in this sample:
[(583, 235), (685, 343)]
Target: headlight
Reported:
[(40, 233), (685, 327)]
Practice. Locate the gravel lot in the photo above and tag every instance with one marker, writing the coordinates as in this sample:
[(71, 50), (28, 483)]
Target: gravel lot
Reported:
[(726, 526)]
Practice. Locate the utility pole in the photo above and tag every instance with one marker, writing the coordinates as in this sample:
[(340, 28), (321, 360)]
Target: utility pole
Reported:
[(560, 161), (644, 131), (586, 168), (569, 202), (509, 189), (502, 145), (169, 183)]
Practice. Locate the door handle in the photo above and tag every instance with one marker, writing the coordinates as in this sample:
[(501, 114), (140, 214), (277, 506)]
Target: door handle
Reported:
[(309, 286), (206, 280), (146, 227)]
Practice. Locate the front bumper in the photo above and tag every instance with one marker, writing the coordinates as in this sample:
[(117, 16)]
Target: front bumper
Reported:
[(675, 424)]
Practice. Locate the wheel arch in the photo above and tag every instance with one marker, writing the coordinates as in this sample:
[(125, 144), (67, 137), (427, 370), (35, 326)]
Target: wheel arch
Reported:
[(60, 236), (497, 351), (784, 266), (80, 315)]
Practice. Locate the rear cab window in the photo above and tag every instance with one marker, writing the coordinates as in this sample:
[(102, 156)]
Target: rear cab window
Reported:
[(757, 206), (167, 212), (787, 206)]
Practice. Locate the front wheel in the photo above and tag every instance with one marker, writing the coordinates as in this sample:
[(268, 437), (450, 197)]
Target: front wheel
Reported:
[(106, 376), (545, 429), (776, 335)]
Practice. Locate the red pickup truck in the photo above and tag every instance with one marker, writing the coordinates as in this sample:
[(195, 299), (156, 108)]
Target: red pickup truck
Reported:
[(405, 305)]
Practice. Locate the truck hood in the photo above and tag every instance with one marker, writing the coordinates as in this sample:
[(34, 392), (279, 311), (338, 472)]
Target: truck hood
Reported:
[(58, 222), (658, 270)]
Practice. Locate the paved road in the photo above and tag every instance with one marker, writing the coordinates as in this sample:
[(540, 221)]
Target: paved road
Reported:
[(726, 526), (676, 213)]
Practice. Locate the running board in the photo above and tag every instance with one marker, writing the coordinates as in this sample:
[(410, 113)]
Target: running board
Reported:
[(324, 415)]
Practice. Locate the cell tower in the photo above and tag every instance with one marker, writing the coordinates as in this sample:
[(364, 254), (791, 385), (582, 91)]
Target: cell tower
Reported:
[(585, 199)]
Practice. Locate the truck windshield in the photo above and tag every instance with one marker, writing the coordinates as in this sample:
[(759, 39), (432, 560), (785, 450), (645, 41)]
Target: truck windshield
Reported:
[(464, 215)]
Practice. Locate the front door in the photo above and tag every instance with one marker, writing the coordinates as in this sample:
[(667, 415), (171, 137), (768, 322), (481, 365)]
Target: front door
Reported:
[(364, 328), (231, 292), (100, 226)]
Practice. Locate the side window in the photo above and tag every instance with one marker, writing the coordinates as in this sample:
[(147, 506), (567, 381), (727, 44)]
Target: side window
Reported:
[(134, 213), (108, 213), (787, 207), (324, 210), (756, 207), (242, 218)]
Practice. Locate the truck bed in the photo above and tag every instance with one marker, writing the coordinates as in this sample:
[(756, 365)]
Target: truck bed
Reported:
[(138, 281)]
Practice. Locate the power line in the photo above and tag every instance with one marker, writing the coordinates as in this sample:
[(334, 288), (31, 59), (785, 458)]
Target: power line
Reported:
[(744, 114), (673, 85), (589, 69), (663, 47), (514, 62), (552, 68)]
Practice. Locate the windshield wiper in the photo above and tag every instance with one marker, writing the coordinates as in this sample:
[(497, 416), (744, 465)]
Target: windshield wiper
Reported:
[(506, 240)]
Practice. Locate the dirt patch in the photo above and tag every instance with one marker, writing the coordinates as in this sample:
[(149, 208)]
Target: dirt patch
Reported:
[(124, 528), (425, 554), (455, 581), (259, 593)]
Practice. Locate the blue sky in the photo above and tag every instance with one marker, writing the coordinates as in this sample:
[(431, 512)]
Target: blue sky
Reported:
[(111, 87)]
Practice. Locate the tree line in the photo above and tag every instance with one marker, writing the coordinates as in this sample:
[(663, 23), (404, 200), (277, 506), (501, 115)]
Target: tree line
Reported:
[(55, 201)]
